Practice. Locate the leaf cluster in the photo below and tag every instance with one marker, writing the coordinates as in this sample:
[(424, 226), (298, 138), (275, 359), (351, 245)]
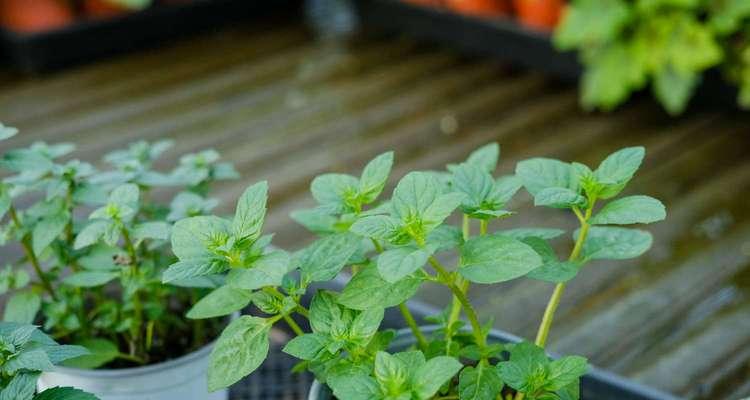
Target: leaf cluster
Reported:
[(26, 352), (667, 44), (388, 249), (97, 243)]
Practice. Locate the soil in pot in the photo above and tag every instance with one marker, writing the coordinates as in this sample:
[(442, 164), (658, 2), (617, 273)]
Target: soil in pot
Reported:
[(479, 8), (34, 15), (539, 14)]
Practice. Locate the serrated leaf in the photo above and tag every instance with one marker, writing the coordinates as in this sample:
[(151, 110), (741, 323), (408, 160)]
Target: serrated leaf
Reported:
[(374, 177), (251, 212), (192, 269), (611, 243), (60, 353), (395, 264), (367, 289), (191, 237), (414, 194), (335, 192), (90, 278), (485, 157), (307, 347), (559, 198), (522, 233), (21, 387), (380, 227), (151, 230), (566, 370), (22, 307), (391, 372), (440, 209), (476, 185), (101, 258), (541, 173), (630, 210), (65, 393), (101, 352), (432, 375), (268, 270), (126, 195), (325, 258), (222, 301), (496, 258), (354, 386), (326, 315), (30, 360), (239, 351), (47, 230), (366, 324), (479, 383), (620, 166), (315, 220), (555, 272), (91, 234)]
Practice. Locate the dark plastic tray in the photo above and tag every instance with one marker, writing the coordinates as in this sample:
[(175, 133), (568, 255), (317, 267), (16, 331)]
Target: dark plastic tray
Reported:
[(598, 384), (93, 38), (504, 39)]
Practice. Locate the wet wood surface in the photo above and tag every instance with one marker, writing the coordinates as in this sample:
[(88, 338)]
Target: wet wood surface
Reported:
[(283, 107)]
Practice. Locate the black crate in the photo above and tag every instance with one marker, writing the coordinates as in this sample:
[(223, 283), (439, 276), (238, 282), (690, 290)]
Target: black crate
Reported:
[(88, 39)]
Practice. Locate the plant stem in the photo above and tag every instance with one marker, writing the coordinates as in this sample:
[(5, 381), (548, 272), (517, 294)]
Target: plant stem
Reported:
[(554, 301), (28, 249), (471, 314), (412, 323), (137, 307), (483, 223), (297, 330)]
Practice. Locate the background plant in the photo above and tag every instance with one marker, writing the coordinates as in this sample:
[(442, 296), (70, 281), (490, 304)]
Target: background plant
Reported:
[(26, 352), (97, 244), (668, 45), (392, 248)]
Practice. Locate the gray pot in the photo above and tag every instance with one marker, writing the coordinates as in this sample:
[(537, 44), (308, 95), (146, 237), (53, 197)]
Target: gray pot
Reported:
[(597, 384), (183, 378)]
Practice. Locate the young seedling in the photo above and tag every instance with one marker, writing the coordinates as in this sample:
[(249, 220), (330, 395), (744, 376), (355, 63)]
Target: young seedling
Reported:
[(98, 244), (392, 247), (26, 352)]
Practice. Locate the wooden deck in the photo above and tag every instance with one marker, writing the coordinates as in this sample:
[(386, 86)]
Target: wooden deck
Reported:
[(284, 108)]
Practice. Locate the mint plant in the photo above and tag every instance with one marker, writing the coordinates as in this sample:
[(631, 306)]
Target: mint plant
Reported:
[(97, 243), (26, 352), (391, 247), (628, 45)]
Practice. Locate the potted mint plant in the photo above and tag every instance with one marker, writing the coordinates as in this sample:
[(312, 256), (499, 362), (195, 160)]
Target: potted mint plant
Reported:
[(93, 248), (391, 248), (26, 352)]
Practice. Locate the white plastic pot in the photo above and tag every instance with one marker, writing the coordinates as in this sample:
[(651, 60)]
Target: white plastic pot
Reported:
[(183, 378)]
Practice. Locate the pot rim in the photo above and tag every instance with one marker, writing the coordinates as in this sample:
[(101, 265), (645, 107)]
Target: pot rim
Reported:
[(141, 370)]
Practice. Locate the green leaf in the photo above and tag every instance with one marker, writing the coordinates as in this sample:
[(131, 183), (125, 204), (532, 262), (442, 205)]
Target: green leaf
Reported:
[(674, 89), (591, 23), (101, 258), (366, 324), (610, 243), (485, 157), (559, 198), (522, 233), (308, 346), (47, 230), (727, 16), (391, 373), (479, 383), (414, 194), (101, 352), (335, 193), (31, 360), (91, 234), (222, 301), (64, 393), (5, 199), (193, 268), (431, 376), (396, 264), (239, 351), (7, 132), (445, 237), (555, 272), (192, 237), (354, 386), (59, 353), (315, 220), (476, 185), (268, 270), (367, 289), (374, 177), (326, 315), (251, 211), (524, 366), (613, 72), (126, 195), (440, 209), (630, 210), (22, 307), (542, 173), (496, 258), (504, 189), (325, 258), (566, 370), (90, 278), (619, 167), (380, 227), (151, 230), (25, 160), (21, 387)]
